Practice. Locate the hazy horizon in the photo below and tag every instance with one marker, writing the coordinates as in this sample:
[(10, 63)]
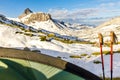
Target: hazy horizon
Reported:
[(83, 11)]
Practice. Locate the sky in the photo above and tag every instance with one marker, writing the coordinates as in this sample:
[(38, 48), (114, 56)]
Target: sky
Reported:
[(80, 10)]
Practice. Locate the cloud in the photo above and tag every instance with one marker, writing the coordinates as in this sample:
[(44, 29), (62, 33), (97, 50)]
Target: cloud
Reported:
[(73, 14), (110, 9), (101, 13), (58, 13), (111, 4), (102, 10)]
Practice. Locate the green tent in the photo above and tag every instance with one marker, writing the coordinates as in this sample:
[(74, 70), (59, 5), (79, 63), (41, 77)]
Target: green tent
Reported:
[(26, 65)]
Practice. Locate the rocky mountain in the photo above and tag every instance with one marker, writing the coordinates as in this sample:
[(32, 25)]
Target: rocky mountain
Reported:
[(40, 20), (28, 16), (26, 12), (35, 17), (44, 21), (39, 32), (2, 17)]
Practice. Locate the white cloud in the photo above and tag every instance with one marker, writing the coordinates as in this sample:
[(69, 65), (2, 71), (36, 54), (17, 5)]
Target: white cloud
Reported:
[(110, 9), (58, 13), (103, 10), (73, 14), (107, 4), (110, 4)]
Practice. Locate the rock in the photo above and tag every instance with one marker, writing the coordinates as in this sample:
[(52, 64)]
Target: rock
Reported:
[(2, 17), (33, 16), (26, 12), (37, 17)]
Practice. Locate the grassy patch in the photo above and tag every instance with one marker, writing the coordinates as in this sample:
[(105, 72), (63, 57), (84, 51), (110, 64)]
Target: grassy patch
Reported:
[(19, 32), (43, 38), (26, 49), (118, 51), (63, 40), (83, 55), (51, 35), (59, 57), (75, 56), (118, 42), (79, 56), (97, 62), (89, 56), (84, 42), (98, 53), (105, 52), (35, 50), (107, 44), (117, 78), (28, 34)]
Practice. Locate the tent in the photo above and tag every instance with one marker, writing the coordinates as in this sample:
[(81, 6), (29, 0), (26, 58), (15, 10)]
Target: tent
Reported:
[(27, 65)]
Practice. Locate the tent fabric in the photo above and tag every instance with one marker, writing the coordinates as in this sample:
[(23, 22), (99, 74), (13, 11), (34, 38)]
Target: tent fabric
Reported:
[(57, 68)]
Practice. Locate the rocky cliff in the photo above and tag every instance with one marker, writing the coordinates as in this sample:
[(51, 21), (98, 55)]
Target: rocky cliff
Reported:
[(28, 16), (26, 12)]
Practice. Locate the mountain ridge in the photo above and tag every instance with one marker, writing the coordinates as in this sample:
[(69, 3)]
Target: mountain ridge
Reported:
[(29, 16), (113, 21)]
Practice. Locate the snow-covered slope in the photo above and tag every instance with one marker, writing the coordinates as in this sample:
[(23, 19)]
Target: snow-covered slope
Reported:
[(57, 49), (76, 26), (11, 39), (48, 25), (105, 29), (111, 25)]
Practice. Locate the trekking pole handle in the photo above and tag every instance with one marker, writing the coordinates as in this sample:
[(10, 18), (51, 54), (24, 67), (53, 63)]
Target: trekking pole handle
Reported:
[(100, 38)]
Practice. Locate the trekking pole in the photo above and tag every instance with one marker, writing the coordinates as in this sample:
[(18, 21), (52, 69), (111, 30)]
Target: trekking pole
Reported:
[(111, 53), (111, 60), (112, 41), (101, 43)]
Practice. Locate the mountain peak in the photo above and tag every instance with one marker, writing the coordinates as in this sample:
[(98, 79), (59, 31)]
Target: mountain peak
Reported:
[(26, 12)]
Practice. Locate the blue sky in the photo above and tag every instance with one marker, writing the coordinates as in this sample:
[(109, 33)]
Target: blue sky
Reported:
[(63, 9)]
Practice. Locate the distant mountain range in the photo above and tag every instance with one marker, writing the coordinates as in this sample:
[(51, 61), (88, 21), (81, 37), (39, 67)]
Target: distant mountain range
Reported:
[(44, 21)]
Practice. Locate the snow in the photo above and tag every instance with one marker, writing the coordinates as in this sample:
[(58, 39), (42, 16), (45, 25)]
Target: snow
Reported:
[(14, 19), (56, 49), (49, 26), (9, 38)]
